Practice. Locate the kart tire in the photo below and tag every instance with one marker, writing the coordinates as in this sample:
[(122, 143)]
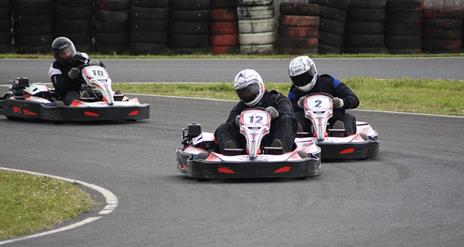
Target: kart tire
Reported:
[(358, 50), (111, 27), (5, 13), (190, 4), (113, 5), (255, 13), (404, 17), (299, 21), (257, 26), (189, 27), (257, 49), (338, 4), (403, 42), (442, 45), (74, 3), (298, 32), (400, 5), (32, 49), (110, 49), (294, 42), (223, 4), (141, 48), (431, 34), (444, 12), (449, 24), (332, 13), (79, 39), (331, 39), (224, 40), (34, 40), (223, 15), (74, 13), (112, 16), (112, 38), (190, 15), (257, 38), (149, 25), (224, 49), (190, 50), (298, 51), (5, 26), (404, 29), (34, 29), (364, 27), (149, 37), (224, 27), (33, 7), (332, 26), (305, 9), (367, 4), (404, 51), (150, 13), (5, 3), (364, 40), (188, 40), (366, 15), (74, 26), (151, 3), (32, 20), (5, 38), (328, 49), (254, 2)]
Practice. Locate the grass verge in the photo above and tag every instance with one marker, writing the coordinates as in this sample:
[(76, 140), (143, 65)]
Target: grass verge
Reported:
[(404, 95), (31, 203), (232, 56)]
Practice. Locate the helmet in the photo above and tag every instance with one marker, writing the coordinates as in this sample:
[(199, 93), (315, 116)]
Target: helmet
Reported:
[(249, 86), (63, 50), (303, 73)]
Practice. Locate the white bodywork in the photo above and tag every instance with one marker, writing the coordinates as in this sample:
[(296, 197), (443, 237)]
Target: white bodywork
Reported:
[(254, 125), (97, 77), (319, 109)]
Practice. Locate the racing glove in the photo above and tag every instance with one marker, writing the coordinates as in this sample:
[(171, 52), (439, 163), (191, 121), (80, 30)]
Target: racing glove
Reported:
[(338, 103), (301, 102), (74, 73), (273, 112)]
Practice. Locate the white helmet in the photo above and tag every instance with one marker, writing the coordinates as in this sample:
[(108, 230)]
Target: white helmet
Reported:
[(249, 86), (303, 73)]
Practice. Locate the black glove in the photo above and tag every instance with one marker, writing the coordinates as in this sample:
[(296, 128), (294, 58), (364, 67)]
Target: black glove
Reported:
[(74, 73), (79, 60), (338, 103), (273, 112)]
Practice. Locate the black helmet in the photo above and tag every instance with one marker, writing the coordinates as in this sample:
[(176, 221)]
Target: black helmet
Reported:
[(63, 50)]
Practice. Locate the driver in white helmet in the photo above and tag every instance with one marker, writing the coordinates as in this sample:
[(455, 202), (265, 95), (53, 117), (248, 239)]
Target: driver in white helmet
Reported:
[(305, 80), (249, 87)]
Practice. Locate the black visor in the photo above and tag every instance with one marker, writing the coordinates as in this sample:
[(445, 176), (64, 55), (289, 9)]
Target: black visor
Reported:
[(302, 80), (248, 93)]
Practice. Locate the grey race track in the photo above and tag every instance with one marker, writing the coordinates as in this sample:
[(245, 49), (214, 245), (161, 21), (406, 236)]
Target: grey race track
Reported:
[(412, 195), (272, 70)]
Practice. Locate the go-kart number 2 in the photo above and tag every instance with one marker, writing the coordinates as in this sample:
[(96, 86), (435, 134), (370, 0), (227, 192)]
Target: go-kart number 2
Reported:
[(256, 119), (318, 103)]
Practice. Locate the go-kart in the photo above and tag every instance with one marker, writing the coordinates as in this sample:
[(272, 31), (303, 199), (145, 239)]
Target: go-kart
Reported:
[(199, 156), (97, 101), (363, 144)]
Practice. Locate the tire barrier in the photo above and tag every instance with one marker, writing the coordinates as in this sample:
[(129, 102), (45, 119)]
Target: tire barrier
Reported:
[(256, 26), (5, 25), (112, 25), (224, 27), (298, 28), (443, 26), (189, 30), (33, 29), (149, 26)]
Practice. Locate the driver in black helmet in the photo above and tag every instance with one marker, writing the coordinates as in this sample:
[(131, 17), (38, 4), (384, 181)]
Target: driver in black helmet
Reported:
[(64, 72), (249, 87)]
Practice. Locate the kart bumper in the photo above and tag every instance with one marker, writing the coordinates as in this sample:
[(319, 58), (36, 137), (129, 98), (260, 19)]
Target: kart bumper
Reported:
[(349, 151), (33, 110)]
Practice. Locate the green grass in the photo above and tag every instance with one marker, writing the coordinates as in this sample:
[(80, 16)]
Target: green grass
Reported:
[(404, 95), (232, 56), (31, 203)]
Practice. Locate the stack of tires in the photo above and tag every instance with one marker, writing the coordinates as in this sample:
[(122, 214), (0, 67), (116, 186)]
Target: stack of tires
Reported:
[(73, 19), (149, 26), (5, 25), (224, 29), (33, 29), (442, 26), (257, 26), (189, 27), (403, 34), (112, 25), (365, 26), (299, 28), (332, 15)]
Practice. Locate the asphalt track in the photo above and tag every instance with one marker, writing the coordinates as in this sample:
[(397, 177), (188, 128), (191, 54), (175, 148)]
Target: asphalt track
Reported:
[(272, 70), (412, 195)]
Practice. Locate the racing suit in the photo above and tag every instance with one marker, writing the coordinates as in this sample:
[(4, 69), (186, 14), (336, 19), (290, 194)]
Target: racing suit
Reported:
[(330, 85), (282, 128)]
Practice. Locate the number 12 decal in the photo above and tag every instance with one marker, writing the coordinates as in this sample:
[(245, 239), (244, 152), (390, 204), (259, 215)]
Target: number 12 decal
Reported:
[(259, 119)]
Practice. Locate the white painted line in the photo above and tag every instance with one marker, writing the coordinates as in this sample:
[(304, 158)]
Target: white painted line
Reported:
[(361, 110), (110, 198)]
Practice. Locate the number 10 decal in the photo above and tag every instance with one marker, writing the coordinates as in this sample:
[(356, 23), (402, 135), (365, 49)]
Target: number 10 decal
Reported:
[(97, 72)]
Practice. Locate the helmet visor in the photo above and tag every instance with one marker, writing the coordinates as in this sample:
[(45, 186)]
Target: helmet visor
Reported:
[(66, 54), (302, 80), (249, 93)]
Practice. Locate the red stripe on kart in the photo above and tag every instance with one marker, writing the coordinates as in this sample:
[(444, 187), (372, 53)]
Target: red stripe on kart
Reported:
[(347, 151), (225, 170), (76, 103), (91, 114), (282, 169), (29, 113), (134, 113), (16, 109)]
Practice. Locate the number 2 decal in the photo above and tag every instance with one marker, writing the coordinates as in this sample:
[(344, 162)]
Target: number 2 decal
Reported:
[(318, 103)]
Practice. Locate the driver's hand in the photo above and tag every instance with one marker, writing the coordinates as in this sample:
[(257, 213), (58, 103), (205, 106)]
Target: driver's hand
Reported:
[(301, 102), (74, 73), (338, 103), (79, 60)]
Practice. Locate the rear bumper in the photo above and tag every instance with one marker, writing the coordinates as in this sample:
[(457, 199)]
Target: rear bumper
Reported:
[(50, 112), (202, 169), (349, 151)]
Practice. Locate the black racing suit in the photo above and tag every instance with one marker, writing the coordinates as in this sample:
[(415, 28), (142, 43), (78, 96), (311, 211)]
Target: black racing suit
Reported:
[(330, 85), (66, 88), (282, 128)]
